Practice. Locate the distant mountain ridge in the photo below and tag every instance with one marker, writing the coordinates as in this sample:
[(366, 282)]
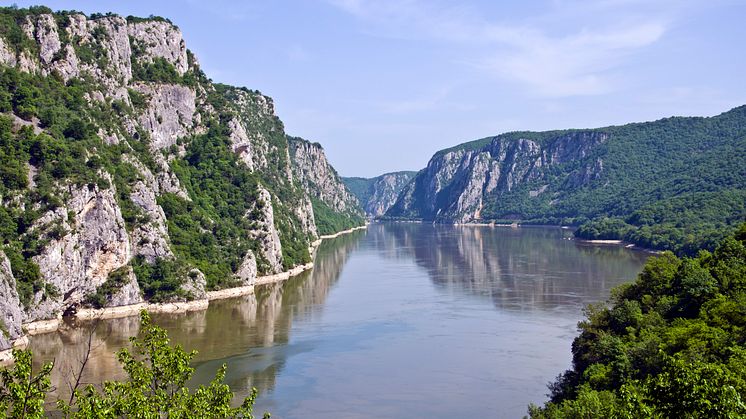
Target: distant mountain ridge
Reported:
[(677, 183), (378, 194)]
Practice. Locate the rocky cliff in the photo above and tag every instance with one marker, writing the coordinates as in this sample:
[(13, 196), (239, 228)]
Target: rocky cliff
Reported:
[(128, 175), (378, 194), (335, 207), (464, 184)]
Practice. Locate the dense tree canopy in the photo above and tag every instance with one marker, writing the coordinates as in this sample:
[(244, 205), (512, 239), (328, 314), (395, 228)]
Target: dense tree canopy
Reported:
[(671, 344)]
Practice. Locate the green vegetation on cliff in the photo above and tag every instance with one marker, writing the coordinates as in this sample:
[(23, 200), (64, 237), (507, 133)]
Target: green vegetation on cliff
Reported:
[(35, 160), (671, 344), (71, 118), (329, 222), (673, 184)]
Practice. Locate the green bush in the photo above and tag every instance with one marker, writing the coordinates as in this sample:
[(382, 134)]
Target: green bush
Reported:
[(162, 280), (116, 280)]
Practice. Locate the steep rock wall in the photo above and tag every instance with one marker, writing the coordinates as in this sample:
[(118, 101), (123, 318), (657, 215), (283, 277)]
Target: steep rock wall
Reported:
[(11, 313), (146, 99), (459, 184), (94, 244), (378, 194), (318, 177)]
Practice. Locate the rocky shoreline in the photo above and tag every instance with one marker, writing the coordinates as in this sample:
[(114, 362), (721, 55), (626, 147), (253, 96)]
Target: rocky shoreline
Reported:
[(52, 325)]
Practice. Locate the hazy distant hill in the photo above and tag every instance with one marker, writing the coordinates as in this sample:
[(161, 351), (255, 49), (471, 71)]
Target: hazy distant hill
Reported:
[(378, 194)]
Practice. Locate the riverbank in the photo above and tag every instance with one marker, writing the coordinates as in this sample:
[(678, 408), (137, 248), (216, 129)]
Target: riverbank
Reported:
[(514, 225), (202, 304), (52, 325)]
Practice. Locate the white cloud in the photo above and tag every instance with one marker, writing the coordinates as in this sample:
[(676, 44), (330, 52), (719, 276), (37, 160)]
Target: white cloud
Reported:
[(438, 99), (578, 61), (578, 64)]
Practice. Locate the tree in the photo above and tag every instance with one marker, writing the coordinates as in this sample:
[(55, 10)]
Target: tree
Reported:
[(22, 393), (155, 388)]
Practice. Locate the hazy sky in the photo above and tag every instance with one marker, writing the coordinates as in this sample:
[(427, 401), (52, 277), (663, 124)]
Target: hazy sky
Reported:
[(383, 84)]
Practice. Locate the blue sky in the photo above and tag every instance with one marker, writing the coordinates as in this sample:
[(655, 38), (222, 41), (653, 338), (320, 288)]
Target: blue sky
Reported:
[(383, 84)]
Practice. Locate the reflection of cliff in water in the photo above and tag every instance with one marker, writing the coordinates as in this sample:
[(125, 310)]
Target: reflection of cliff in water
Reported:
[(259, 328), (254, 326), (519, 269)]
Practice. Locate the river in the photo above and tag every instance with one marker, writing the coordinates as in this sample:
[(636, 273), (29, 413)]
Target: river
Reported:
[(399, 320)]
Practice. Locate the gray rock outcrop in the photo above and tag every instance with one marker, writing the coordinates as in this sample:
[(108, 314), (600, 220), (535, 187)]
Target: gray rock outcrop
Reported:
[(128, 294), (169, 114), (149, 239), (247, 272), (11, 312), (88, 240), (313, 171), (458, 184), (266, 233), (378, 194)]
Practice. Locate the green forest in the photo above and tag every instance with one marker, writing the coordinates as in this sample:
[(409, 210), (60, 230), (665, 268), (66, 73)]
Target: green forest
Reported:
[(672, 344), (664, 185)]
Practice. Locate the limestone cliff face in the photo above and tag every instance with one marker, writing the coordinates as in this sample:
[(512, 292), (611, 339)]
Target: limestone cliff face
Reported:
[(378, 194), (257, 136), (252, 129), (11, 314), (93, 243), (151, 101), (318, 177), (86, 237), (470, 184), (266, 233), (169, 114)]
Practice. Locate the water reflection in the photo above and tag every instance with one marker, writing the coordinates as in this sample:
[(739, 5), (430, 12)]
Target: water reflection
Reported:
[(390, 321), (519, 269), (253, 328)]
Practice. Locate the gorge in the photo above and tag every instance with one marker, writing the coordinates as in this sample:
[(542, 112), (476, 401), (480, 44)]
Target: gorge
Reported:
[(134, 183)]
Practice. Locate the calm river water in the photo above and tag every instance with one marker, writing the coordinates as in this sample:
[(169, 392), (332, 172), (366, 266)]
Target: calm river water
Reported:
[(401, 320)]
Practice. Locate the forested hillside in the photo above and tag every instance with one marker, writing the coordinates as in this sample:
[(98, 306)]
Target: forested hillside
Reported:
[(677, 183), (129, 176), (671, 345)]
